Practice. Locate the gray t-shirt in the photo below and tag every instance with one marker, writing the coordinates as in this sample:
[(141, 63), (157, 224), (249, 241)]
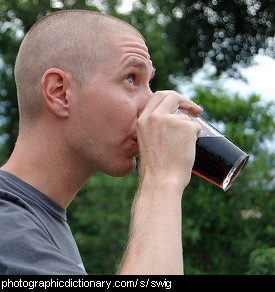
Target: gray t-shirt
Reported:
[(35, 237)]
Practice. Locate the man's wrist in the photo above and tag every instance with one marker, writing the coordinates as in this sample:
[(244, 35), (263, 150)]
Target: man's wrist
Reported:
[(167, 185)]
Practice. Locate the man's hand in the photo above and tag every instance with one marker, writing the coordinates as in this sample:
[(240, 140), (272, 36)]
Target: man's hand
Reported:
[(167, 141)]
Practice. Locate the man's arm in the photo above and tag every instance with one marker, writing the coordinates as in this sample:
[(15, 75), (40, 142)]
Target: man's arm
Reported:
[(167, 153)]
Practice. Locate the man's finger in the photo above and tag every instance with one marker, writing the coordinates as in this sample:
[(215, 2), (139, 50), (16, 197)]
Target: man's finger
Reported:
[(167, 102)]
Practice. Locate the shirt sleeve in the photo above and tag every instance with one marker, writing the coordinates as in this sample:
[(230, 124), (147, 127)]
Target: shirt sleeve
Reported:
[(26, 249)]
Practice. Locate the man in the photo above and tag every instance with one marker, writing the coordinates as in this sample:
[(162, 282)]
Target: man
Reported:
[(86, 106)]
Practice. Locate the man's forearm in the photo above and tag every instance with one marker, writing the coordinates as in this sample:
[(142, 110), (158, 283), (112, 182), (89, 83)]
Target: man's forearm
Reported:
[(167, 151), (155, 244)]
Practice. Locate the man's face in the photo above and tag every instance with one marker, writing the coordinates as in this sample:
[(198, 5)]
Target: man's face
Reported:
[(110, 104)]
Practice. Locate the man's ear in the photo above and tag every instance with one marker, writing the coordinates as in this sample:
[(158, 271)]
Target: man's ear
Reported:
[(54, 85)]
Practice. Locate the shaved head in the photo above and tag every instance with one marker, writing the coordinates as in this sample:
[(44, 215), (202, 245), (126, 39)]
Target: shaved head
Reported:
[(75, 41)]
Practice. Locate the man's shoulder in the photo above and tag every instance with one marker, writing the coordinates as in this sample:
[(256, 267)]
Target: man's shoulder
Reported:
[(15, 215)]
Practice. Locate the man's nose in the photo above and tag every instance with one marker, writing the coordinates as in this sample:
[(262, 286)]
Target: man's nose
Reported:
[(145, 98)]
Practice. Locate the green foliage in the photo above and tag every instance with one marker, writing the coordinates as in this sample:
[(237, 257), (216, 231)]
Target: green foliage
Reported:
[(262, 262), (99, 218), (219, 31), (221, 229)]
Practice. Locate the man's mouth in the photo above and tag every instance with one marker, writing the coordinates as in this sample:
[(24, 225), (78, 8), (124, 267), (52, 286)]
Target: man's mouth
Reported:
[(135, 140)]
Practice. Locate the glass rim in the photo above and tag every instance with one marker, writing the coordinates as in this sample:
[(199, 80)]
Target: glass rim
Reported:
[(231, 176)]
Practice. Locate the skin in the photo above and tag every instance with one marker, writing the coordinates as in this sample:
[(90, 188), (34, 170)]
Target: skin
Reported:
[(102, 127), (167, 151), (121, 94)]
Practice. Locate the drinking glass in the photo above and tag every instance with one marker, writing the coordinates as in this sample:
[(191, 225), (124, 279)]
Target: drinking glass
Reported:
[(218, 159)]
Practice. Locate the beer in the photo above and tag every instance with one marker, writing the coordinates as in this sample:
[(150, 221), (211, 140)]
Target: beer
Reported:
[(218, 160)]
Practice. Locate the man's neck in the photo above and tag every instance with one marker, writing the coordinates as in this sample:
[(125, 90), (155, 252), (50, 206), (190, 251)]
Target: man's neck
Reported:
[(48, 168)]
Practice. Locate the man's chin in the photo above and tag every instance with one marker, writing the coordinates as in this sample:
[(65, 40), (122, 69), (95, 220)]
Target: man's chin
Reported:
[(124, 170)]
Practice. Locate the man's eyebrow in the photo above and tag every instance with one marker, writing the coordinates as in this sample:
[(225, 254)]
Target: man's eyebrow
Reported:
[(140, 64)]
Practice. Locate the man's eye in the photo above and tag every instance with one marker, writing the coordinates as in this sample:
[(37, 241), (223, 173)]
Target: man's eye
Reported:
[(130, 79)]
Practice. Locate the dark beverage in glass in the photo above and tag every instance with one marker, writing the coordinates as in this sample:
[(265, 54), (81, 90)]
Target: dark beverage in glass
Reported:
[(218, 160)]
